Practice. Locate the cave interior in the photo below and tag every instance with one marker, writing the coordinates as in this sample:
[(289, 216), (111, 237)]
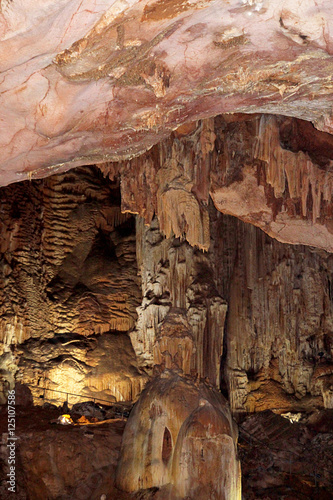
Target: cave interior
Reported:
[(166, 250)]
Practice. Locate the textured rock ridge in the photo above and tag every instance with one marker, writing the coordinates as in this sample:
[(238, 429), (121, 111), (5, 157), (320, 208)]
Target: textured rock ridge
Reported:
[(68, 276), (171, 181)]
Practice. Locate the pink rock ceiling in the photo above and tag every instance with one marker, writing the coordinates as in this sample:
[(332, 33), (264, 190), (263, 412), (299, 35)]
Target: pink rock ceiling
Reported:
[(85, 81)]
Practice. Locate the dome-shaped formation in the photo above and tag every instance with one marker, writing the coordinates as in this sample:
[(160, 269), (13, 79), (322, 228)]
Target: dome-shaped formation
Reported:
[(182, 435)]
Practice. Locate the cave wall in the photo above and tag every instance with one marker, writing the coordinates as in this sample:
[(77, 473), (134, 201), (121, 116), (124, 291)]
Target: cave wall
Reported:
[(69, 287), (72, 264), (97, 301), (278, 337), (276, 173), (74, 317)]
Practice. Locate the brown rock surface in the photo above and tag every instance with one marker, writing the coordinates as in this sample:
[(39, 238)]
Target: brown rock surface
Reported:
[(84, 82), (68, 276), (57, 461), (287, 193), (278, 335), (284, 460), (250, 310)]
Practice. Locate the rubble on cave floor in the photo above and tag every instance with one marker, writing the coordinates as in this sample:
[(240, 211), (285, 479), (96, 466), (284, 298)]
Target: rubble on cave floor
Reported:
[(285, 460)]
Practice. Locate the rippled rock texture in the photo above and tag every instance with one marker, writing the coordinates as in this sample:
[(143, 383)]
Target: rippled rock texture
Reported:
[(69, 287), (97, 301), (74, 317)]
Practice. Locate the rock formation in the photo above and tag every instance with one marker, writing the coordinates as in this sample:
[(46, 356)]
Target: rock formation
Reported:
[(68, 283), (141, 129), (55, 461), (280, 313), (177, 278), (87, 83), (180, 435), (273, 172), (251, 315), (284, 189), (281, 458)]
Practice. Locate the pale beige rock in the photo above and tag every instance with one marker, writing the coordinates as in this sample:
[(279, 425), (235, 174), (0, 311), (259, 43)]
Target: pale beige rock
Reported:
[(174, 275), (176, 431), (287, 194)]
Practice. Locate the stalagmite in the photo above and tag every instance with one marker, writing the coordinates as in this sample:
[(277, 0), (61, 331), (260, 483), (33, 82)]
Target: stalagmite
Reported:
[(180, 435)]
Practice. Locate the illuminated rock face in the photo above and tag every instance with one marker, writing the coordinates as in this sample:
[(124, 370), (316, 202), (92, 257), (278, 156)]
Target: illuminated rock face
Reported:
[(68, 283), (102, 366), (181, 435), (88, 82)]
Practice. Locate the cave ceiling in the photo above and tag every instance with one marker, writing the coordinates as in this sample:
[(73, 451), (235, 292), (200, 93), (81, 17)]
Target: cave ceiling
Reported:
[(86, 82)]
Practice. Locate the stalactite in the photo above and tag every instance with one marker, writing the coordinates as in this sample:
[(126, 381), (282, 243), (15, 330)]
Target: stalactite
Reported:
[(174, 275), (279, 296), (295, 171), (172, 181)]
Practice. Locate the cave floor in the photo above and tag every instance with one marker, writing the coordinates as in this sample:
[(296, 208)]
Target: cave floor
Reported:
[(56, 461), (287, 460), (280, 459)]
